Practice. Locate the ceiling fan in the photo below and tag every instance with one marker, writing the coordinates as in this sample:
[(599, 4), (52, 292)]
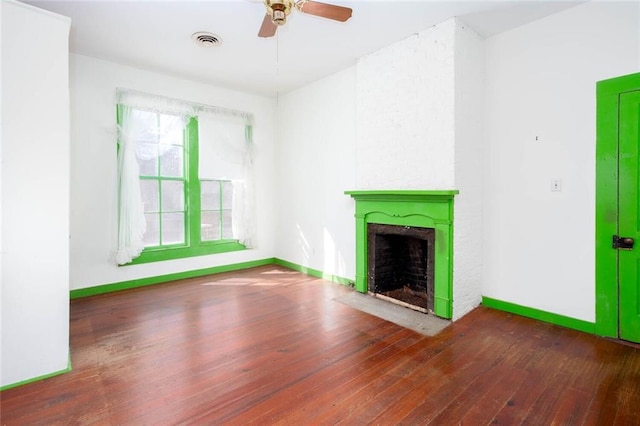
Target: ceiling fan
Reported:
[(278, 10)]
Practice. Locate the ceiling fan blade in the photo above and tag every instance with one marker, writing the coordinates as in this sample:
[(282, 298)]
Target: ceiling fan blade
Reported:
[(268, 28), (324, 10)]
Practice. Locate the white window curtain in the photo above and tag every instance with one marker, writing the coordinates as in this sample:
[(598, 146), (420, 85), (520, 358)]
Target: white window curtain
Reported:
[(131, 221), (131, 135), (137, 128), (225, 153)]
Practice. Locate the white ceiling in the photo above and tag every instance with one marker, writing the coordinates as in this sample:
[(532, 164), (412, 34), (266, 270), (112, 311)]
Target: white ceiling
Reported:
[(156, 35)]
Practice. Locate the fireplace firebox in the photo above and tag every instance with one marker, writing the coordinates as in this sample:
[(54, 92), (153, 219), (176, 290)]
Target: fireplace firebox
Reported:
[(400, 264)]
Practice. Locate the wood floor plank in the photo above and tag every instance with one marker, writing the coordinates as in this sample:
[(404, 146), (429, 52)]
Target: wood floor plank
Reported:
[(334, 374), (272, 346), (502, 382)]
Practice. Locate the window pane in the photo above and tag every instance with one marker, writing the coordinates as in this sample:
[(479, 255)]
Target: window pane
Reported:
[(149, 189), (171, 162), (147, 155), (146, 127), (227, 231), (227, 195), (210, 195), (171, 130), (152, 236), (172, 228), (172, 195), (210, 227)]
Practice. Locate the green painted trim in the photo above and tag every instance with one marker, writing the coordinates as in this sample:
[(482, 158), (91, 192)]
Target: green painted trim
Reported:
[(141, 282), (417, 193), (38, 378), (435, 196), (618, 85), (171, 253), (606, 274), (314, 272), (549, 317), (426, 209), (192, 185)]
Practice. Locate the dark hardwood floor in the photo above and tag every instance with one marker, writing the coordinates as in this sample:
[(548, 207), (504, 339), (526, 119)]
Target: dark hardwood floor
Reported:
[(270, 346)]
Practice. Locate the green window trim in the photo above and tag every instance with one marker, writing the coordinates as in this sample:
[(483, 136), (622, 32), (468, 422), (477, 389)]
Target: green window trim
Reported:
[(193, 245), (170, 253)]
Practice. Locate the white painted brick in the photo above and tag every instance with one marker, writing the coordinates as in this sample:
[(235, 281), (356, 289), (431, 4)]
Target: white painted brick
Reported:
[(469, 146), (419, 126), (405, 113)]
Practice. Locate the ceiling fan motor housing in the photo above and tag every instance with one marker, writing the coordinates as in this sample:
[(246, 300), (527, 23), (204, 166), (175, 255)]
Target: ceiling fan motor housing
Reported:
[(278, 10)]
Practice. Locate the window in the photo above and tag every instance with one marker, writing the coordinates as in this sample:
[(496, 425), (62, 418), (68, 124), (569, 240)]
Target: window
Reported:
[(192, 182), (160, 152), (216, 198)]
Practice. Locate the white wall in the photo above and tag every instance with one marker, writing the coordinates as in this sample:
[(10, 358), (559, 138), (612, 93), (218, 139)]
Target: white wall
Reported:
[(469, 169), (539, 248), (1, 175), (316, 164), (35, 196), (405, 104), (93, 168)]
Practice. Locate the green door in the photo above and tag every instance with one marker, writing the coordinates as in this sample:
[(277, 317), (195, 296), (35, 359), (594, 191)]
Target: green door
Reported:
[(629, 217)]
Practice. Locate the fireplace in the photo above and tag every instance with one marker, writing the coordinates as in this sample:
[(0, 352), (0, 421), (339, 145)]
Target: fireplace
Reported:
[(400, 264), (404, 226)]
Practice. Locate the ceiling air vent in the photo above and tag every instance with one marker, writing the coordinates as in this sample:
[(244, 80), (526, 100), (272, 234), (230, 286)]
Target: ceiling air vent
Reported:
[(206, 39)]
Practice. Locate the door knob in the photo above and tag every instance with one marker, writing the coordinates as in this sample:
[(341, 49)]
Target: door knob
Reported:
[(624, 243)]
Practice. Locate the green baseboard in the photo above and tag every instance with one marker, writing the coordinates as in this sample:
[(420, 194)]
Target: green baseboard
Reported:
[(125, 285), (576, 324), (314, 272), (38, 378)]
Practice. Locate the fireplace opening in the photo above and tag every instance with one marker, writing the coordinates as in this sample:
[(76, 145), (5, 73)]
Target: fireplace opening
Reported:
[(400, 264)]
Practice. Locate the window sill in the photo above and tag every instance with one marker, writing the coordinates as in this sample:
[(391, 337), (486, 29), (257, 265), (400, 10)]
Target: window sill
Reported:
[(159, 255)]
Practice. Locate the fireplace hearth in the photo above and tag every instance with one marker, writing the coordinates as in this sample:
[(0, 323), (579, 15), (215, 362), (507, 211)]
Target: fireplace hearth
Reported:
[(400, 264)]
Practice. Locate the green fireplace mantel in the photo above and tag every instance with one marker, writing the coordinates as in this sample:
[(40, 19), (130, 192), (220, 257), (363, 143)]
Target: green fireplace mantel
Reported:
[(386, 193), (419, 208)]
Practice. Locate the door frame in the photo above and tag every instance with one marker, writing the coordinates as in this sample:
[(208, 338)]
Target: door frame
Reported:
[(608, 101)]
